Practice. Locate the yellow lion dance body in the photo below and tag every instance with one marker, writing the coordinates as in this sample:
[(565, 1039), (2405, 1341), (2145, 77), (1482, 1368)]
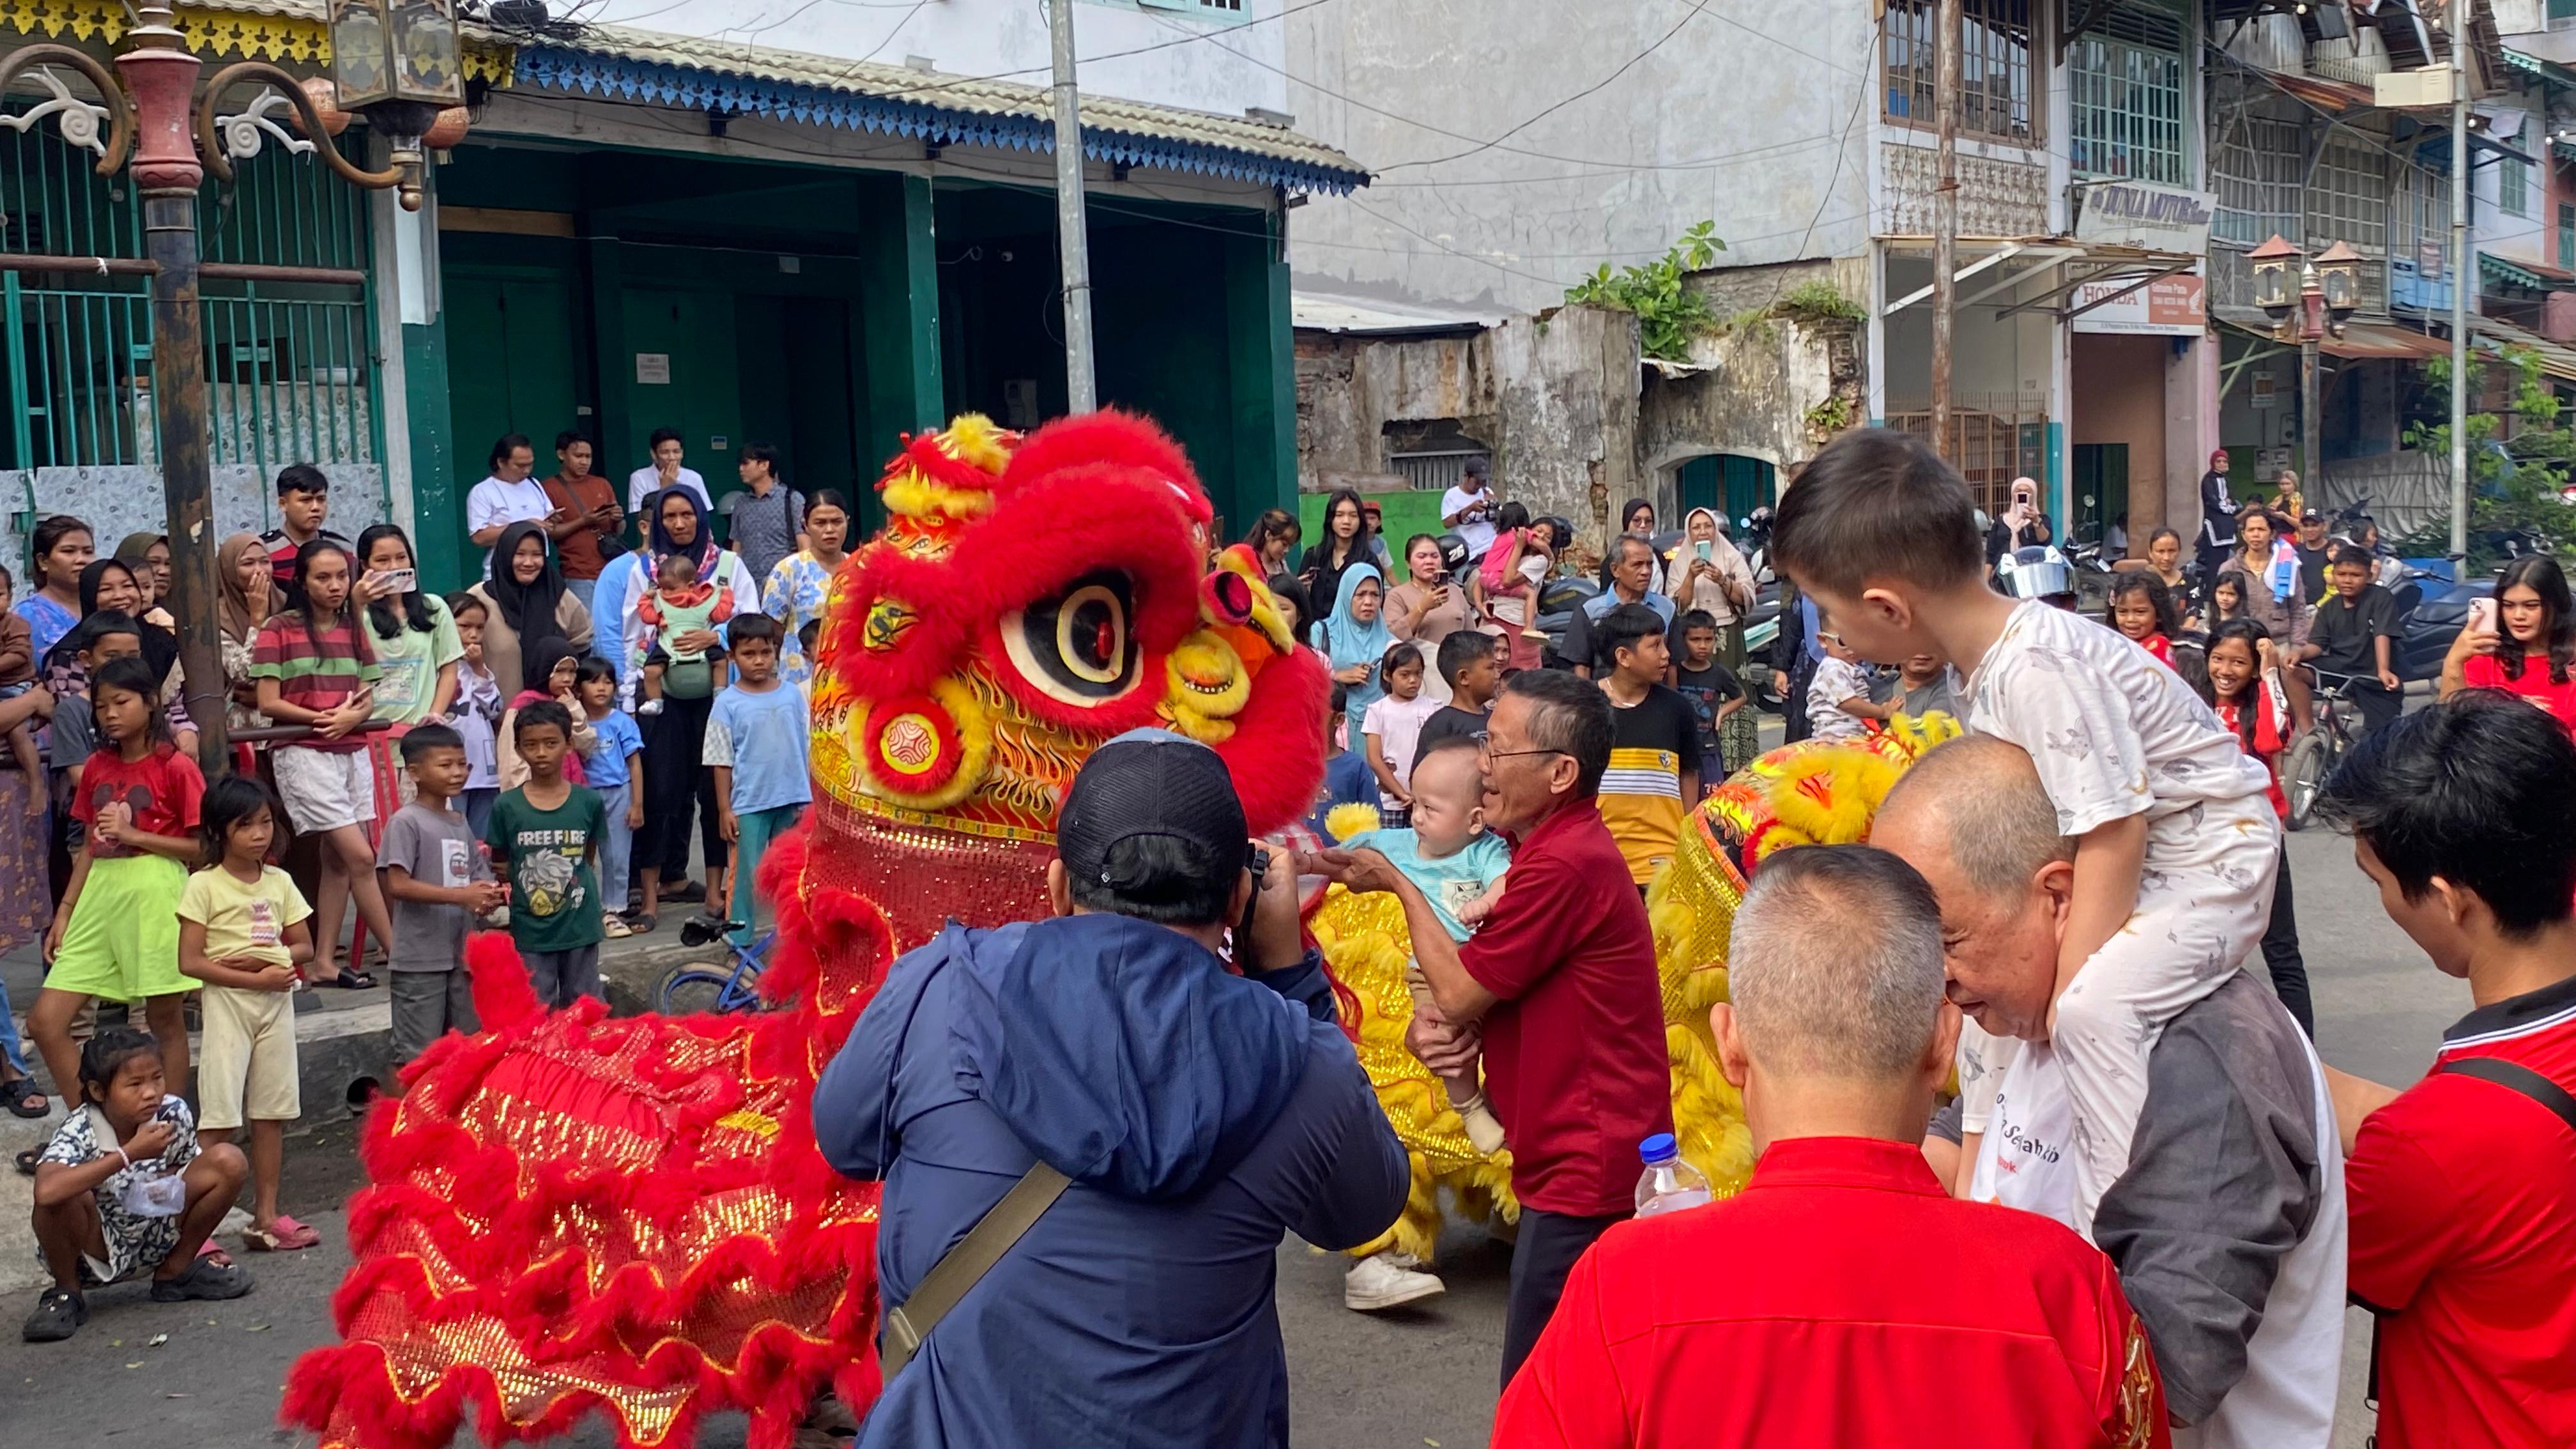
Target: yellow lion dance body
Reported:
[(1809, 793)]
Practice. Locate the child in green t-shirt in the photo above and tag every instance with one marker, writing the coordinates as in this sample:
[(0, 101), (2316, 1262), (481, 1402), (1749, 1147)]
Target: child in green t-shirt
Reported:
[(546, 837)]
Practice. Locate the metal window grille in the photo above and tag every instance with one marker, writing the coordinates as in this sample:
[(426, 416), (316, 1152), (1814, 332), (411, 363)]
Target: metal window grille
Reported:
[(1990, 448), (2566, 237), (1998, 95), (2348, 196), (2259, 167), (2513, 187), (1235, 6), (2419, 216), (291, 369), (2125, 98), (1432, 472)]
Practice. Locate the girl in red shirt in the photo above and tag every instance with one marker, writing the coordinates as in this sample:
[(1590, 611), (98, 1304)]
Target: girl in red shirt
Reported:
[(2530, 650), (2142, 609), (2239, 660), (116, 935)]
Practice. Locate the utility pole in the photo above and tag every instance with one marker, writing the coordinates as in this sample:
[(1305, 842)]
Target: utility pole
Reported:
[(1945, 220), (2463, 277), (1071, 238)]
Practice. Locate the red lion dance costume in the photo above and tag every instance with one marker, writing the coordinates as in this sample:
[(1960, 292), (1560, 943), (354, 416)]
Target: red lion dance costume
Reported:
[(571, 1212)]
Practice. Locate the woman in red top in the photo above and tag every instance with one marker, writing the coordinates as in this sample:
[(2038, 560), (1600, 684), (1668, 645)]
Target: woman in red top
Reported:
[(2239, 660), (2530, 649), (2143, 610)]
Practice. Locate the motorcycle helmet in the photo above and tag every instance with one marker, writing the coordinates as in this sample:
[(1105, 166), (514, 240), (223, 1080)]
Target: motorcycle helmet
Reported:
[(2036, 572), (1453, 554)]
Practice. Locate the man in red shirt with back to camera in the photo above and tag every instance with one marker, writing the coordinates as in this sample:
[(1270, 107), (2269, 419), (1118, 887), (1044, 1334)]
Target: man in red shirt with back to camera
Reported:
[(2463, 1186), (1843, 1298), (1557, 988)]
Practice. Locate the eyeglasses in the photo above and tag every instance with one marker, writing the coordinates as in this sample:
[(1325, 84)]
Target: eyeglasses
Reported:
[(1485, 748)]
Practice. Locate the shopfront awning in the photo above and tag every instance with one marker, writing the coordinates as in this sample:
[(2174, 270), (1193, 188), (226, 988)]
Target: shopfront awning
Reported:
[(2372, 341), (2360, 342), (2009, 267), (2556, 358), (2533, 275)]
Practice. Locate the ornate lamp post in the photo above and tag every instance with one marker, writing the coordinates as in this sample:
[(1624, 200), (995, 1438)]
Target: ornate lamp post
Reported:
[(397, 62), (2328, 291)]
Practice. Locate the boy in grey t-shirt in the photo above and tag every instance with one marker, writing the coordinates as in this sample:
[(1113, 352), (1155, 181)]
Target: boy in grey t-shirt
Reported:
[(436, 882)]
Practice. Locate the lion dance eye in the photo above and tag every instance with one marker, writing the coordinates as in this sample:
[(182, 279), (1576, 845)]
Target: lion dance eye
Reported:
[(1077, 646)]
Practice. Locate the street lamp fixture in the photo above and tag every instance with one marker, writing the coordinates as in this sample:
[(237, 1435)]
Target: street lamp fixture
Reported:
[(2339, 276), (2275, 263), (397, 62)]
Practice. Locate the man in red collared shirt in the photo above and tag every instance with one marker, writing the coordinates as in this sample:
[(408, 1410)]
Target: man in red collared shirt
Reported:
[(2463, 1187), (1844, 1297), (1558, 988)]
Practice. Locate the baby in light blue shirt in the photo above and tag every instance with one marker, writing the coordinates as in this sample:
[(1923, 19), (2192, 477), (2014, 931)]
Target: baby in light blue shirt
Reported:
[(1459, 867)]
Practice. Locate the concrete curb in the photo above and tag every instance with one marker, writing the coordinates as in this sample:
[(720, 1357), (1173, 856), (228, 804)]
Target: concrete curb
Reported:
[(336, 1050)]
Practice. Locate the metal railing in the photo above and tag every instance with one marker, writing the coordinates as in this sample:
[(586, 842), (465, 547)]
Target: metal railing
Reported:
[(288, 315)]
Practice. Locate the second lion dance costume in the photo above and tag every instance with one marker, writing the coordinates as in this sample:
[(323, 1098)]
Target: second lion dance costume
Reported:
[(572, 1213)]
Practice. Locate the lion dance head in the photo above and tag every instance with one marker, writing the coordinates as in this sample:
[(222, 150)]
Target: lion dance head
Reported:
[(1027, 601)]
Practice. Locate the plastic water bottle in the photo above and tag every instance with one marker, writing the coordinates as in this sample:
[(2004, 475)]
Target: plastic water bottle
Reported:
[(1668, 1184)]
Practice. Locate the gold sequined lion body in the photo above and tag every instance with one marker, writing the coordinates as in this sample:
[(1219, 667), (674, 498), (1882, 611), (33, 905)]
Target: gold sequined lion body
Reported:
[(1801, 794)]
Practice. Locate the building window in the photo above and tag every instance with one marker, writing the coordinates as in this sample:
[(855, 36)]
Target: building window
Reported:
[(2348, 195), (2561, 12), (2513, 187), (2260, 165), (1998, 97), (2125, 100), (2566, 237)]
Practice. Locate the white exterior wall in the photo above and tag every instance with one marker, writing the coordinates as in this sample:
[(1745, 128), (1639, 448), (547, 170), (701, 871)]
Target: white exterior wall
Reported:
[(1756, 117), (1227, 62), (2529, 237)]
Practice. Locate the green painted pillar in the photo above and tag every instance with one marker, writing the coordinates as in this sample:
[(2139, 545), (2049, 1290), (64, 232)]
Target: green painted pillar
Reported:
[(620, 452), (439, 483), (898, 377), (1262, 369)]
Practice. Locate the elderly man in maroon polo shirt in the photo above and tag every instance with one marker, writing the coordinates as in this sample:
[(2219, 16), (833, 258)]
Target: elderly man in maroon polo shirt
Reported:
[(1558, 988)]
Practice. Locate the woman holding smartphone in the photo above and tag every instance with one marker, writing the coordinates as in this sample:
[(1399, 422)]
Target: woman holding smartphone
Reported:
[(2522, 641), (413, 635)]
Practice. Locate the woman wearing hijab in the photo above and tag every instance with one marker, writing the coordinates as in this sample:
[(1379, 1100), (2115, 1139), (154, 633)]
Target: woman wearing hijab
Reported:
[(108, 587), (244, 594), (1355, 637), (1636, 516), (525, 600), (677, 782), (148, 555)]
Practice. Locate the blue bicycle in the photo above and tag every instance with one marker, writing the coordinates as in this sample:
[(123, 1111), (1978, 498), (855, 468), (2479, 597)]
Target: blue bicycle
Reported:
[(694, 988)]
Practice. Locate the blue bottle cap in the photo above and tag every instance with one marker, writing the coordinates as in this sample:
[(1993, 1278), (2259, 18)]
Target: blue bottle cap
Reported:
[(1658, 1148)]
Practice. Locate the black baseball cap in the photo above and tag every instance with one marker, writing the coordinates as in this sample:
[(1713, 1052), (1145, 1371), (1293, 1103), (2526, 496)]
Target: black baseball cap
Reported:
[(1147, 783), (1476, 467)]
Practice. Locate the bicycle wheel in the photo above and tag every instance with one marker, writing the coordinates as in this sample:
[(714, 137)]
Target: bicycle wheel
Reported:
[(692, 988), (2303, 775)]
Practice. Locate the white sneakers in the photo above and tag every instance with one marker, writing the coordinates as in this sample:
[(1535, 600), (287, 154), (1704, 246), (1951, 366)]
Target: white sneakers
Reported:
[(1387, 1280)]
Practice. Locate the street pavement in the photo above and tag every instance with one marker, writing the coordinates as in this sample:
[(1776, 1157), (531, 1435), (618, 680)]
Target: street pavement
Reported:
[(1419, 1376)]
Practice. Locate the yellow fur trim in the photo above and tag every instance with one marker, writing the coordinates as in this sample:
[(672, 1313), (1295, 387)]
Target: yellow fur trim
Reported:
[(1344, 821), (970, 438), (977, 440), (974, 737), (1829, 796)]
